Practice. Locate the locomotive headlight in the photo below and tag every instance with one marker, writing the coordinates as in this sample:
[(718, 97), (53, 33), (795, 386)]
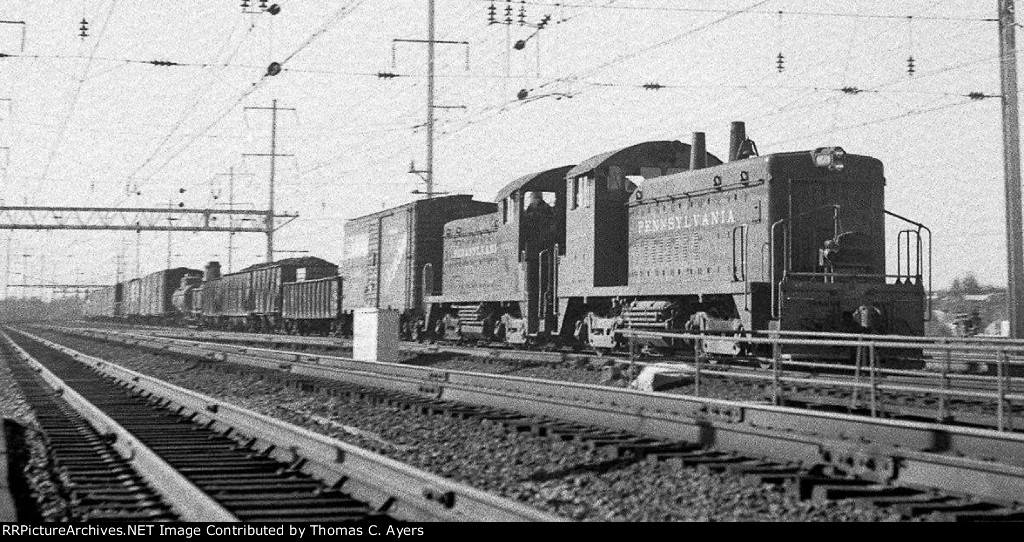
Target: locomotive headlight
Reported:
[(829, 157)]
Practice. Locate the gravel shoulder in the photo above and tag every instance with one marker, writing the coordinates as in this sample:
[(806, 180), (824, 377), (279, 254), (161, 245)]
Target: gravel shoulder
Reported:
[(43, 480), (566, 478)]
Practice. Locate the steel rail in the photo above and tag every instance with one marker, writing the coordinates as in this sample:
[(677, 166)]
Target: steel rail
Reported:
[(390, 485), (985, 463), (1011, 382), (190, 502)]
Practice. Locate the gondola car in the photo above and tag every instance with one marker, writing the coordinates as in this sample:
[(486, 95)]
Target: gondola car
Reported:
[(251, 299)]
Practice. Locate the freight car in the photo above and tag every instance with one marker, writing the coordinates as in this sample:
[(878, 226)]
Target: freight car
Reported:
[(313, 307), (393, 258), (155, 295), (664, 236), (103, 303), (131, 298), (251, 299)]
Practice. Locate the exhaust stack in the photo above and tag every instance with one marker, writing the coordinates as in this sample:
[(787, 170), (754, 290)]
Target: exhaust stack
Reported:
[(698, 152), (212, 271), (737, 135)]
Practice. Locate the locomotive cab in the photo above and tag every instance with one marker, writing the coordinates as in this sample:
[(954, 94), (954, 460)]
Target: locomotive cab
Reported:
[(499, 278), (828, 246)]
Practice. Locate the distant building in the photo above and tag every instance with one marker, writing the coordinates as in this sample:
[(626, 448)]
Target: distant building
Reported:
[(999, 328)]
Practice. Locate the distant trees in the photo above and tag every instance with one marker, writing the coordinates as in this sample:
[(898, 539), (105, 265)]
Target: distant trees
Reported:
[(35, 309), (967, 285)]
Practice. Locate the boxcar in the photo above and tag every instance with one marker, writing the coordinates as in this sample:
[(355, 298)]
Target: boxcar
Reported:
[(393, 257), (131, 299), (103, 303)]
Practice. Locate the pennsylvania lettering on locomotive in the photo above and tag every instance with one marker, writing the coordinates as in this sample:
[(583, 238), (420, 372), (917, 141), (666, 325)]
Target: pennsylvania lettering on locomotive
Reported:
[(682, 222), (477, 250)]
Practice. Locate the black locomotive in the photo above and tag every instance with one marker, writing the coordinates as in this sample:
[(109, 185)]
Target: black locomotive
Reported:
[(658, 236)]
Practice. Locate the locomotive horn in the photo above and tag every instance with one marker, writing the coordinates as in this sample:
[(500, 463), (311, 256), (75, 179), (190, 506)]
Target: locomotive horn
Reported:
[(698, 152), (737, 135)]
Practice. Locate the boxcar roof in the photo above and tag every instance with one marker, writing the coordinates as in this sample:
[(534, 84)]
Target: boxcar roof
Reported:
[(391, 210), (556, 175)]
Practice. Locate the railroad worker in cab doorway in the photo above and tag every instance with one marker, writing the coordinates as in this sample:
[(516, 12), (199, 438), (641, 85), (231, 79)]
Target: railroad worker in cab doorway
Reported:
[(540, 221), (536, 207)]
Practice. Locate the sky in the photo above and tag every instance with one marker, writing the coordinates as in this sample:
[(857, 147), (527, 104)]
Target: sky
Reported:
[(92, 122)]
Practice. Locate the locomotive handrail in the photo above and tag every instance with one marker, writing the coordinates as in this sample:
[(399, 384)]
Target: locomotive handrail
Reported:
[(939, 341), (786, 257), (920, 226), (770, 340), (808, 274)]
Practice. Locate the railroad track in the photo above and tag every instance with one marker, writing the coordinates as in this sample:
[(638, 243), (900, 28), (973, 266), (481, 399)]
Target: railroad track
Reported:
[(923, 468), (963, 362), (204, 460), (962, 399), (100, 484)]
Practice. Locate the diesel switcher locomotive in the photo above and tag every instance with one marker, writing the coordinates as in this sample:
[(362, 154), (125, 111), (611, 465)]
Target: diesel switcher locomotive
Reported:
[(660, 236)]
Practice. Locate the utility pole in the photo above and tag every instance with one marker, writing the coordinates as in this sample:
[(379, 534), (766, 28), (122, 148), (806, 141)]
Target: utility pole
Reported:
[(273, 161), (117, 270), (430, 99), (1011, 168), (24, 273), (7, 272), (231, 207), (138, 254), (428, 174), (170, 205)]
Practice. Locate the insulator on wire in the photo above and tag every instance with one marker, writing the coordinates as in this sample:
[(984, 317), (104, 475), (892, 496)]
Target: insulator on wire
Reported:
[(263, 4), (522, 12), (84, 30), (245, 4), (780, 60), (492, 14), (910, 46), (543, 22)]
